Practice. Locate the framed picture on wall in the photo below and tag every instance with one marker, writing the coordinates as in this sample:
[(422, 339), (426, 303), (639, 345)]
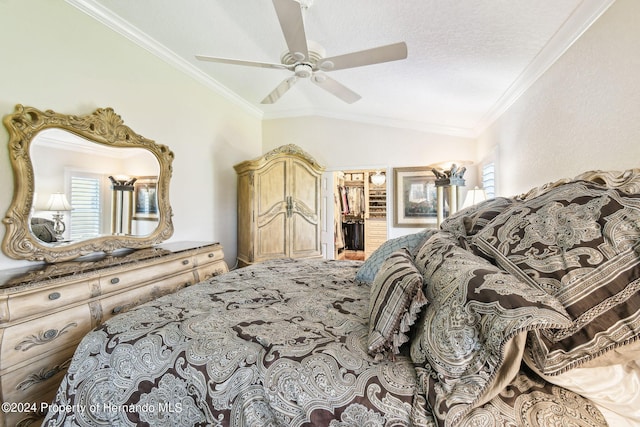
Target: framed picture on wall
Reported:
[(415, 197), (145, 198)]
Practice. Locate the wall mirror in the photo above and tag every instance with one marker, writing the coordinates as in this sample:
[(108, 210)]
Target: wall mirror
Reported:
[(83, 184)]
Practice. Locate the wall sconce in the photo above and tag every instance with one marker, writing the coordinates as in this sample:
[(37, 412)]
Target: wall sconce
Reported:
[(378, 179), (58, 203), (473, 197), (122, 204)]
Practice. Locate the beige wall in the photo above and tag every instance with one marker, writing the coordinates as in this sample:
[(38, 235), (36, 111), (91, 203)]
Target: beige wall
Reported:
[(56, 57), (341, 144), (582, 114)]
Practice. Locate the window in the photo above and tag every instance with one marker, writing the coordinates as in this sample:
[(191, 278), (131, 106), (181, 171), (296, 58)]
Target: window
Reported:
[(489, 180), (85, 199)]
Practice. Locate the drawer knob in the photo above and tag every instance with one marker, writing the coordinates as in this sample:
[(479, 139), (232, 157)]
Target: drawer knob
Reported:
[(185, 261), (211, 255), (49, 374), (54, 296), (50, 334), (115, 280)]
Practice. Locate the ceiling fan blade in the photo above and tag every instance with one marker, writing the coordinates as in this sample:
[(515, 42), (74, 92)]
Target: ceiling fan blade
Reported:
[(240, 62), (391, 52), (290, 16), (335, 88), (280, 90)]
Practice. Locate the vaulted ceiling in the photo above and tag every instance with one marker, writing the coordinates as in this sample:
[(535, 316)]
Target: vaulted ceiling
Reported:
[(468, 60)]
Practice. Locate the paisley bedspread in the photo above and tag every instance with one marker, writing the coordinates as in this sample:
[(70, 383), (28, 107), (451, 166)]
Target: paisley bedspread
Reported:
[(283, 343), (278, 344)]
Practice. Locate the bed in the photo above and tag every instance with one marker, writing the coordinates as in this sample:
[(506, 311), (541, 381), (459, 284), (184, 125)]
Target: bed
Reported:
[(517, 311)]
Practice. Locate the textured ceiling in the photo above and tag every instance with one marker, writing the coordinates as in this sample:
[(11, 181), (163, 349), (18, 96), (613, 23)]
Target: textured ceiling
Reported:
[(467, 61)]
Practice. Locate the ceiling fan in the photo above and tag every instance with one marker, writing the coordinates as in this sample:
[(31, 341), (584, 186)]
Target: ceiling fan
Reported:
[(307, 60)]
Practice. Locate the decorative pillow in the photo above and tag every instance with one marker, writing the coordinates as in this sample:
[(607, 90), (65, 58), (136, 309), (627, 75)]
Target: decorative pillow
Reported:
[(396, 299), (43, 229), (470, 338), (580, 242), (368, 270)]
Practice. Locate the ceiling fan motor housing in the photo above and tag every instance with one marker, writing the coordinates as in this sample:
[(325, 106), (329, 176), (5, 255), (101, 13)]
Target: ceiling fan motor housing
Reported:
[(303, 70)]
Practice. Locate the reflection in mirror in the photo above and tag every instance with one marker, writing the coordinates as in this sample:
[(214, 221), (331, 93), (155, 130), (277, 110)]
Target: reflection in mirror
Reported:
[(83, 184), (93, 180)]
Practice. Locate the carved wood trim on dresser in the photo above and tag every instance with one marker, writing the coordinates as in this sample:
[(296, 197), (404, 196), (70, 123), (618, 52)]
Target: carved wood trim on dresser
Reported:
[(45, 311)]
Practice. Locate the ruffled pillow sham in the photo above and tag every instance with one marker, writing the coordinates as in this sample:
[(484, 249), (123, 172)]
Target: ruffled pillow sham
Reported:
[(395, 300)]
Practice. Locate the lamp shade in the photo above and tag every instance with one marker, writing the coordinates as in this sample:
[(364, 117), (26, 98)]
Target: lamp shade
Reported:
[(58, 202), (474, 196)]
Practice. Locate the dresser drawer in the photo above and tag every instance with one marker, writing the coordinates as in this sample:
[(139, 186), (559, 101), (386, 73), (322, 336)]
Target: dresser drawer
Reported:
[(38, 377), (211, 255), (34, 384), (208, 271), (127, 300), (38, 302), (150, 273), (26, 340)]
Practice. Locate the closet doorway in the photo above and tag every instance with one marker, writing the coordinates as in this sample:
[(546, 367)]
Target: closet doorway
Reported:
[(360, 213)]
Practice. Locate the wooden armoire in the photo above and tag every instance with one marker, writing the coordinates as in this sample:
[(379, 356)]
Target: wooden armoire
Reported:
[(279, 206)]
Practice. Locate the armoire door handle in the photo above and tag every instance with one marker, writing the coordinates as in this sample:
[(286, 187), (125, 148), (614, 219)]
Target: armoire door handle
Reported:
[(289, 206)]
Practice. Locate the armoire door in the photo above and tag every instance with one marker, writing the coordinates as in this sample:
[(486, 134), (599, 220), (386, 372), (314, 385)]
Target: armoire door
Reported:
[(271, 237), (304, 205)]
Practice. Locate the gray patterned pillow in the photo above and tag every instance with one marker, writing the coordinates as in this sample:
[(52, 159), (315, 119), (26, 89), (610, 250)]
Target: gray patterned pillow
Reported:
[(369, 269), (469, 341), (395, 301), (580, 242), (43, 229)]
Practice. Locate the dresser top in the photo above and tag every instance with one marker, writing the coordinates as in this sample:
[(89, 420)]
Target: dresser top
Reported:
[(19, 277)]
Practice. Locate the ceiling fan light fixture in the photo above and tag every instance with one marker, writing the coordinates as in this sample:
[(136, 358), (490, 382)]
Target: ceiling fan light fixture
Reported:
[(303, 71)]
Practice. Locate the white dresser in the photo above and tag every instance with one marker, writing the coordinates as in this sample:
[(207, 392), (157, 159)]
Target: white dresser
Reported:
[(45, 312)]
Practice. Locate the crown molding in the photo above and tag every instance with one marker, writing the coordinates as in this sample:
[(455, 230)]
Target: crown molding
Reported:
[(124, 28), (578, 22)]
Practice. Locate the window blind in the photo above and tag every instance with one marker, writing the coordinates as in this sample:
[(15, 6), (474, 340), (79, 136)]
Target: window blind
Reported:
[(489, 180), (85, 199)]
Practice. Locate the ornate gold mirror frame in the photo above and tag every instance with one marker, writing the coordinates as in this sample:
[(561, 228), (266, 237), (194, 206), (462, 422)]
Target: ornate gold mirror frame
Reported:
[(103, 127)]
